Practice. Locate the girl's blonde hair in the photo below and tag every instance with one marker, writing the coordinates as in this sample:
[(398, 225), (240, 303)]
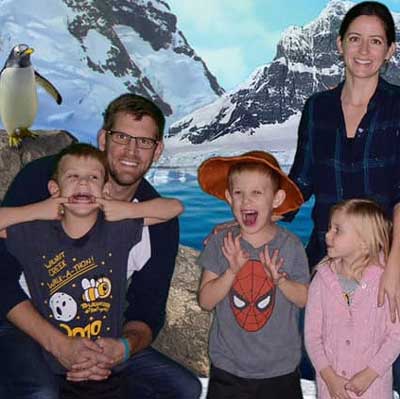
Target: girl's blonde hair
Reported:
[(372, 225)]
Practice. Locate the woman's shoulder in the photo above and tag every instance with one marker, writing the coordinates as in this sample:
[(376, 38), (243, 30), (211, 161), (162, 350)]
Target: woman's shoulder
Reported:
[(326, 97)]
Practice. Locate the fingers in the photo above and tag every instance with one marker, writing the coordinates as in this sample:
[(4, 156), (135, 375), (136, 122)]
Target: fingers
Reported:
[(84, 364), (91, 345), (61, 211), (107, 191), (231, 243), (101, 201), (397, 308), (94, 373), (225, 252), (353, 388), (392, 308), (275, 261)]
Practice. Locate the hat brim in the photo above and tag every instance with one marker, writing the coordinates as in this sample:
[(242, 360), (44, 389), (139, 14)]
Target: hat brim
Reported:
[(213, 179)]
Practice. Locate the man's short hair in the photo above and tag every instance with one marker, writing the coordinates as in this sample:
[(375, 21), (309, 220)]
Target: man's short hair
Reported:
[(80, 150), (136, 106)]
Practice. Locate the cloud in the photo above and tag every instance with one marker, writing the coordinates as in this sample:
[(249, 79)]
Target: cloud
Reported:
[(227, 63), (222, 17)]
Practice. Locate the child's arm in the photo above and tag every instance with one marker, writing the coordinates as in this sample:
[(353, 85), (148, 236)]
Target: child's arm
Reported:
[(294, 291), (390, 348), (48, 209), (313, 338), (335, 383), (214, 288), (361, 381), (153, 211)]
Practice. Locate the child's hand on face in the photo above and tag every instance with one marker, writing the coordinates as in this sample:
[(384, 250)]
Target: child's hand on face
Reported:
[(114, 209), (361, 381), (335, 383), (50, 209), (272, 264), (234, 253)]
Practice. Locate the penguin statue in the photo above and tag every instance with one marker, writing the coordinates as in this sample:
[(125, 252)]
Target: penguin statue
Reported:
[(18, 94)]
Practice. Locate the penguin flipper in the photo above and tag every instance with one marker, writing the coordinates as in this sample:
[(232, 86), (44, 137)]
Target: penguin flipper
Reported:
[(48, 86)]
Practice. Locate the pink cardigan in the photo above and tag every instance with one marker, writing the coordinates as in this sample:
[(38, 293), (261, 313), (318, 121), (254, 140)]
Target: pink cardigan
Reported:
[(350, 338)]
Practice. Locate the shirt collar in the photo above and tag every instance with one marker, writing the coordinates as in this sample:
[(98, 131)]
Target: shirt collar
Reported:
[(376, 97)]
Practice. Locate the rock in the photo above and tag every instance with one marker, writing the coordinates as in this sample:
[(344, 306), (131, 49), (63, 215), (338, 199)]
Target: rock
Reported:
[(185, 333), (13, 159)]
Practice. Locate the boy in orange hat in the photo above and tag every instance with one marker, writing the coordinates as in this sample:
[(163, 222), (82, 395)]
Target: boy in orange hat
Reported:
[(255, 277)]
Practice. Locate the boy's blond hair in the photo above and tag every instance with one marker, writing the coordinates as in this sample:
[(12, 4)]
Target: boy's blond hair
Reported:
[(241, 167)]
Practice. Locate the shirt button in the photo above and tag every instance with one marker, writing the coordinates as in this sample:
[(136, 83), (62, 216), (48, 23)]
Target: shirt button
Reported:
[(364, 286), (348, 342)]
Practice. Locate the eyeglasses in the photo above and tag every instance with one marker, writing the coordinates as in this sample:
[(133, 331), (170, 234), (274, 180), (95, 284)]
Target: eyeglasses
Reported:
[(122, 138)]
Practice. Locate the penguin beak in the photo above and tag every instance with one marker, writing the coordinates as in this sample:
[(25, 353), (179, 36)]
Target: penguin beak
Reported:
[(29, 51)]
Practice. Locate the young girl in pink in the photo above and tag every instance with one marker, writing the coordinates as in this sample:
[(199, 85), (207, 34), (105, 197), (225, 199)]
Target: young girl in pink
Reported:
[(350, 340)]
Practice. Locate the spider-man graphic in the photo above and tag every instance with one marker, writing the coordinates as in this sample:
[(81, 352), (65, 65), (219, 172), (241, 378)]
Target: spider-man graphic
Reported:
[(252, 296)]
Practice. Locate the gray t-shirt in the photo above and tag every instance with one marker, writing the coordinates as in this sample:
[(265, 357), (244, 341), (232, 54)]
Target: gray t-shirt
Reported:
[(255, 331)]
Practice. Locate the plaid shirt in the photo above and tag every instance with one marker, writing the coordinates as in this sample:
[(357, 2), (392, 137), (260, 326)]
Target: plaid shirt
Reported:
[(334, 167)]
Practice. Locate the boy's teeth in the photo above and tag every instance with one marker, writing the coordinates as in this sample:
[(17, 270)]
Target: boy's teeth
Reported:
[(85, 198)]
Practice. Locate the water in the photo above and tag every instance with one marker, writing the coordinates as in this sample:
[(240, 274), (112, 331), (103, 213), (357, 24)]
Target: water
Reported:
[(203, 212)]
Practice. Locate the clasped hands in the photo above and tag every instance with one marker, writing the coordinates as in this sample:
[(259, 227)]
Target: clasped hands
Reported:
[(339, 386), (90, 360)]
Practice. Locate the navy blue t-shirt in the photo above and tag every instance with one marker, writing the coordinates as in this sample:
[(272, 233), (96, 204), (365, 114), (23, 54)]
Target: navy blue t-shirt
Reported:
[(78, 285)]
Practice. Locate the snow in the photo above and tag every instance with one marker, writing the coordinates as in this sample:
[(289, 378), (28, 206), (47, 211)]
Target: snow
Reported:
[(169, 72), (280, 139), (98, 46)]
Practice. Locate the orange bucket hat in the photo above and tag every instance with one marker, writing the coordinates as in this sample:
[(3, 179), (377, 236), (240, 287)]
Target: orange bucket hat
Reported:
[(213, 177)]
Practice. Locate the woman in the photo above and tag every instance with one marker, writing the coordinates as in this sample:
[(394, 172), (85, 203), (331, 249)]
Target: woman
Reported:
[(349, 137)]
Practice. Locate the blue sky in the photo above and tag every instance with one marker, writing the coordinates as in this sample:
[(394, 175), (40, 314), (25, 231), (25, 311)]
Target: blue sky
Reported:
[(236, 36)]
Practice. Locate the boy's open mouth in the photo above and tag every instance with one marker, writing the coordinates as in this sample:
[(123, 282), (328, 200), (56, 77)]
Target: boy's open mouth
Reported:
[(249, 217), (82, 198)]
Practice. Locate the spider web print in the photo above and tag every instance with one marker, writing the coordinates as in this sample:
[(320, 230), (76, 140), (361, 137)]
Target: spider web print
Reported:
[(254, 291)]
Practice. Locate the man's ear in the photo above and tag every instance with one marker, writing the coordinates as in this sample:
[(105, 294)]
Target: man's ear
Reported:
[(279, 197), (158, 151), (101, 139), (228, 196), (53, 188)]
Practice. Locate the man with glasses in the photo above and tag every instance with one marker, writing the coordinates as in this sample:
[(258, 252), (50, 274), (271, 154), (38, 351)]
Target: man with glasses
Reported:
[(132, 137)]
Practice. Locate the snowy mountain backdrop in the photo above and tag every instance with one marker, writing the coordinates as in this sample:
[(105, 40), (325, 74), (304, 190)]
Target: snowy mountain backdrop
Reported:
[(306, 61), (94, 50)]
